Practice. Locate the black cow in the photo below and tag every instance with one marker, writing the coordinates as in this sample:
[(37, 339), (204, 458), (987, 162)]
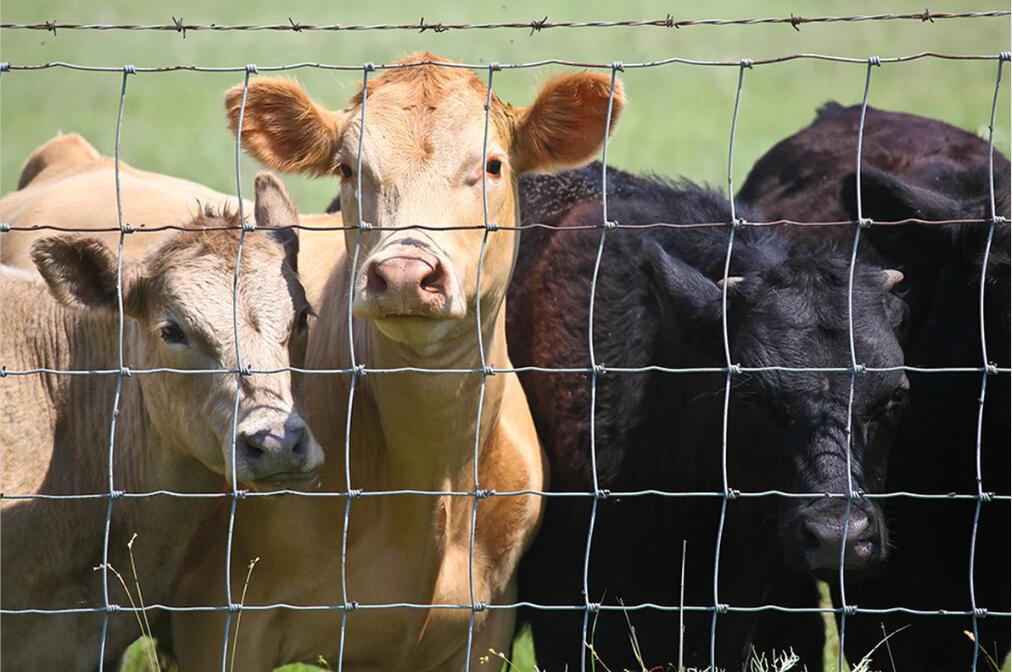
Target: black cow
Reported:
[(914, 167), (658, 303)]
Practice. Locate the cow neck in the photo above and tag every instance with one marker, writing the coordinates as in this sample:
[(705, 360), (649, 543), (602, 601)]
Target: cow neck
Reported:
[(428, 420)]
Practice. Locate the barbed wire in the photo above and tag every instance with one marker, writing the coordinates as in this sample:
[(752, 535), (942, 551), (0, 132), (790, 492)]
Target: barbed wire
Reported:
[(178, 25)]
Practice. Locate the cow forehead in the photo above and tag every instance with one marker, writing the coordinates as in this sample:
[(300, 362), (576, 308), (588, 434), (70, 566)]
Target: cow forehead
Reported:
[(422, 118)]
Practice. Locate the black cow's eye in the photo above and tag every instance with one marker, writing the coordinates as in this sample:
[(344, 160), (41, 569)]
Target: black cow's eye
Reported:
[(346, 170), (171, 333), (493, 167)]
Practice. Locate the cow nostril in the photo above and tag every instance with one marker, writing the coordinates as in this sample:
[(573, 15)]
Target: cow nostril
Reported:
[(810, 540), (250, 448), (375, 282), (433, 280)]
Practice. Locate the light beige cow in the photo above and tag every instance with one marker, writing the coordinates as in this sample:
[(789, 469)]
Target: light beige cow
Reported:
[(173, 430), (415, 298)]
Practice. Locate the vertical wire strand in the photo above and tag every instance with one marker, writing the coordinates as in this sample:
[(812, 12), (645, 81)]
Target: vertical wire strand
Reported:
[(485, 372), (123, 372), (596, 369), (855, 367), (730, 367), (236, 493), (356, 371), (982, 496)]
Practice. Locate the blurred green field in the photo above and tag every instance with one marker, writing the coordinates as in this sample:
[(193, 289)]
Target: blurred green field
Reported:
[(676, 122)]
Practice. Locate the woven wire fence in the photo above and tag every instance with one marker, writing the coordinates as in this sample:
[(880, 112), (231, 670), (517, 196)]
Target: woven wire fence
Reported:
[(986, 371)]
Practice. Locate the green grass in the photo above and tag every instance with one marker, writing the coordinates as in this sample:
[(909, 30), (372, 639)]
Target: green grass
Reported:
[(676, 122)]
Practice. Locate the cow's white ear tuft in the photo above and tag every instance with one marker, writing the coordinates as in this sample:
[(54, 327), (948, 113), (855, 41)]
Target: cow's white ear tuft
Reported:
[(731, 281), (892, 277)]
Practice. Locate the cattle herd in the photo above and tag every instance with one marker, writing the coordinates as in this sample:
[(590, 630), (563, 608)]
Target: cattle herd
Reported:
[(403, 275)]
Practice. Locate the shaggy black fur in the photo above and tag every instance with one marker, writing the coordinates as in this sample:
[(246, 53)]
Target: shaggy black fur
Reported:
[(657, 303)]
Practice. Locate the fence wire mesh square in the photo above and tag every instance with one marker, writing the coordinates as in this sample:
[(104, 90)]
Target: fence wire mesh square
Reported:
[(987, 371)]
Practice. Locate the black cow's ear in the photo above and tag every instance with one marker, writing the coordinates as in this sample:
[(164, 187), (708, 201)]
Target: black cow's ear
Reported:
[(887, 198), (690, 303)]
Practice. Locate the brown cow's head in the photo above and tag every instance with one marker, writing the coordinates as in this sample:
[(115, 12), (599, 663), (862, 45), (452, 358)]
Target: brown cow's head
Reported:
[(179, 297), (422, 166)]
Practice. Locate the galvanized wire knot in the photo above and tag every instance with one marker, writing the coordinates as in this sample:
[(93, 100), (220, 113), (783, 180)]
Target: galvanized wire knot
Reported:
[(3, 371), (991, 369), (860, 368), (593, 607), (849, 609), (865, 222), (245, 370), (618, 65), (985, 497), (491, 226), (494, 66), (240, 493), (359, 370), (488, 370), (234, 607), (738, 224), (116, 494), (610, 225), (249, 225), (734, 369), (5, 227), (369, 67), (126, 227), (354, 493), (998, 219), (482, 493), (478, 606), (602, 494), (365, 226), (731, 493), (251, 69), (125, 371), (112, 608), (129, 70), (351, 606), (855, 495), (720, 608), (1004, 56), (599, 369), (980, 612), (745, 63), (874, 60), (5, 66)]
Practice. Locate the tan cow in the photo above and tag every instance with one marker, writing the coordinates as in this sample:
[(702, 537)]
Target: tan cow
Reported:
[(173, 430), (415, 297)]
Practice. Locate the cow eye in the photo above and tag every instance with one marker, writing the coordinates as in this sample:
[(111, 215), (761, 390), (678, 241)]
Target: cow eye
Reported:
[(302, 324), (493, 167), (346, 170), (171, 333)]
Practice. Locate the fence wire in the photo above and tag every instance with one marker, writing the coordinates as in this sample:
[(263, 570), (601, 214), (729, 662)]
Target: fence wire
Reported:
[(357, 370), (534, 26)]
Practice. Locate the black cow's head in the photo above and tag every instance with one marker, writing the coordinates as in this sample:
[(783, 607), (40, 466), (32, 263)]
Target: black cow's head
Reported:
[(788, 427)]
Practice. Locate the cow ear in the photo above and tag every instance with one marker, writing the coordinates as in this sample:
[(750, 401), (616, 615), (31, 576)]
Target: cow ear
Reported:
[(690, 303), (283, 128), (565, 126), (276, 214), (887, 198), (81, 272)]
